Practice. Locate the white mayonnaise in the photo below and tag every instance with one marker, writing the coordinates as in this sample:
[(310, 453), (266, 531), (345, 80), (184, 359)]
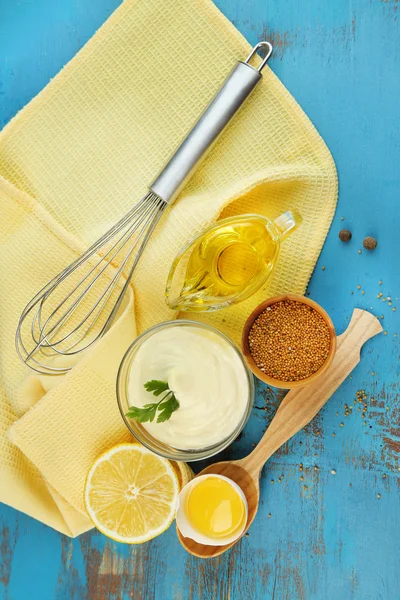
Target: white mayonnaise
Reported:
[(207, 377)]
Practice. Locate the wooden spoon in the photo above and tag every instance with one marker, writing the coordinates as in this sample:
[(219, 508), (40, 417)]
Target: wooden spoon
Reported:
[(297, 409)]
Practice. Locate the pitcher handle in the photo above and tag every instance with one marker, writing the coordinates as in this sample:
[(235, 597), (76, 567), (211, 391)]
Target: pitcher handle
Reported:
[(287, 222)]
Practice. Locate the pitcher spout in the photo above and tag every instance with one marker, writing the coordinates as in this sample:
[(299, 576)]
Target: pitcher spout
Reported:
[(288, 222)]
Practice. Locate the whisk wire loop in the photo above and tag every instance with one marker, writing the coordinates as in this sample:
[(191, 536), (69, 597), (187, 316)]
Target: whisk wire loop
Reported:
[(97, 281)]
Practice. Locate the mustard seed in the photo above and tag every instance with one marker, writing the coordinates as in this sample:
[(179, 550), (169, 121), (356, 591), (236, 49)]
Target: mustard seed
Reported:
[(289, 341)]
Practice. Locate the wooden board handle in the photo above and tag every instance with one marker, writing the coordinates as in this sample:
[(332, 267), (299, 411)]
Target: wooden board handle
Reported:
[(301, 405)]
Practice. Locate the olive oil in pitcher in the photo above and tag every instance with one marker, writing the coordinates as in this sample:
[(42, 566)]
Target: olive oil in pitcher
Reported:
[(228, 262)]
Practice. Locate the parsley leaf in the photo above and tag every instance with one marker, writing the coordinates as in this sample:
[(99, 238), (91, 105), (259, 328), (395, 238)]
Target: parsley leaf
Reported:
[(156, 386), (147, 413), (166, 406)]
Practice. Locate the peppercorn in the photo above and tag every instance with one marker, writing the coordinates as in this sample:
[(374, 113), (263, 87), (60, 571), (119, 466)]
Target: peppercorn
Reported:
[(345, 235), (370, 243)]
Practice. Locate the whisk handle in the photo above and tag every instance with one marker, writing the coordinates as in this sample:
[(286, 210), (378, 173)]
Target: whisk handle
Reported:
[(225, 104)]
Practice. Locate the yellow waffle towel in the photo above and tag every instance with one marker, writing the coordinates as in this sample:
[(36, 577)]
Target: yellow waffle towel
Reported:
[(78, 157)]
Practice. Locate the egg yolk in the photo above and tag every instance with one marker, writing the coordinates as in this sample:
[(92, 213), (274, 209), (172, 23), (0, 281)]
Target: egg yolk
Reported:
[(215, 508)]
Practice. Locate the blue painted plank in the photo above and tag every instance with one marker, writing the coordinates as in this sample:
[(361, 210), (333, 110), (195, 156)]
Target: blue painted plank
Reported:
[(329, 535)]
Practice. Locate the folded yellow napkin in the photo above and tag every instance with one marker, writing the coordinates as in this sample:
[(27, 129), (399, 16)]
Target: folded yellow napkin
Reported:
[(75, 159)]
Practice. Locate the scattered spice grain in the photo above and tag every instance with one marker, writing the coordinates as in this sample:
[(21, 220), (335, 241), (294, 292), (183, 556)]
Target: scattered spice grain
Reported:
[(289, 340)]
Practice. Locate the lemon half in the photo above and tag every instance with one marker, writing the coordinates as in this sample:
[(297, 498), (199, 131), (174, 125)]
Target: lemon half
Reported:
[(131, 494)]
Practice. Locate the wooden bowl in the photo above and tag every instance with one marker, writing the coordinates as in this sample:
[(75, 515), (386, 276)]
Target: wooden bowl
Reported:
[(246, 349)]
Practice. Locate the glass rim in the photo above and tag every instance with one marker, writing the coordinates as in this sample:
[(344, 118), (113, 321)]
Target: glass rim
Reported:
[(161, 448)]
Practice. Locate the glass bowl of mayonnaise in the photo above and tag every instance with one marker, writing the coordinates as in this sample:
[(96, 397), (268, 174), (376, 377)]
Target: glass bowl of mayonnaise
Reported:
[(184, 390)]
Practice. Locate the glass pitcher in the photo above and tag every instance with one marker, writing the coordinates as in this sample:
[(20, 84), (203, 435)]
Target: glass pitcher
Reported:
[(227, 262)]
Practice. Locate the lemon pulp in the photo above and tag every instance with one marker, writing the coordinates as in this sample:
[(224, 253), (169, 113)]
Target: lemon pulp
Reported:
[(215, 508), (131, 494)]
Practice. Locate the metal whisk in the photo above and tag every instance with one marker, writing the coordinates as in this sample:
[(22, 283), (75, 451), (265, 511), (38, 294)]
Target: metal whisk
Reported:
[(79, 305)]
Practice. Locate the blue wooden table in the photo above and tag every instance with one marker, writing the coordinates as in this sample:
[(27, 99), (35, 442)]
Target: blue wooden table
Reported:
[(325, 533)]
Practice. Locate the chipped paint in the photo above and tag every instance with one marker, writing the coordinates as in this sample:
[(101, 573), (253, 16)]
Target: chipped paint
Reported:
[(281, 41), (7, 546), (392, 444), (68, 577)]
